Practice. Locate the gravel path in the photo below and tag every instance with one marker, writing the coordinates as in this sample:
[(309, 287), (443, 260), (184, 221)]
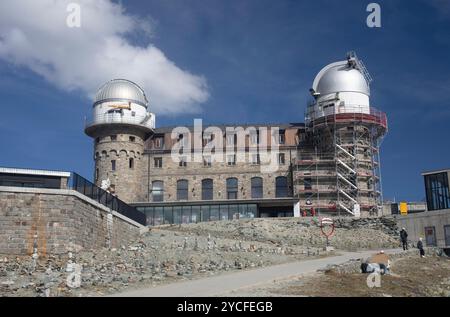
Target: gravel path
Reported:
[(223, 284)]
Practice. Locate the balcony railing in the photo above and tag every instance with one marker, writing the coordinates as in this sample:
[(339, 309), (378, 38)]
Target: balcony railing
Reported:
[(147, 121)]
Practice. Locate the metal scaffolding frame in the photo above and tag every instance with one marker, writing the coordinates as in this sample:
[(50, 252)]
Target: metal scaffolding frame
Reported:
[(338, 164)]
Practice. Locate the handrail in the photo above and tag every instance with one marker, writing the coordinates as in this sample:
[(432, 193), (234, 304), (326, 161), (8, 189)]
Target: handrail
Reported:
[(108, 118), (85, 187)]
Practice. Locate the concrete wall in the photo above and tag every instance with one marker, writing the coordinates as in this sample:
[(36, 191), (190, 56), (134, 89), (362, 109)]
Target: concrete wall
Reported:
[(415, 225), (56, 221)]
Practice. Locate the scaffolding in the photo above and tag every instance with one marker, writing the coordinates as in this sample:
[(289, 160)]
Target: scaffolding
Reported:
[(337, 171)]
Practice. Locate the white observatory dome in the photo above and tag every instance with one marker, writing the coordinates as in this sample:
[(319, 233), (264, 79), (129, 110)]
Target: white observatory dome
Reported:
[(340, 77), (121, 90)]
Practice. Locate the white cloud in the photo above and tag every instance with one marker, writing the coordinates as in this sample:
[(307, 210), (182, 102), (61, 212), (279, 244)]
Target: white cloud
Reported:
[(34, 34)]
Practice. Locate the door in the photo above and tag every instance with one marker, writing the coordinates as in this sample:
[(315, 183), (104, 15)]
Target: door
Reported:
[(430, 236)]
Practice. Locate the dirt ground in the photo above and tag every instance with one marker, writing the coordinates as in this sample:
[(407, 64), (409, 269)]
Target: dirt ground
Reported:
[(410, 276)]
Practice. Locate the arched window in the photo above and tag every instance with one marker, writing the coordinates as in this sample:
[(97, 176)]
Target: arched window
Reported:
[(207, 189), (257, 187), (232, 188), (281, 187), (182, 189), (157, 191)]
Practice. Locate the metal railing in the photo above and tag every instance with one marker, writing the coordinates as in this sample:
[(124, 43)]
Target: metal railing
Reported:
[(147, 121), (85, 187)]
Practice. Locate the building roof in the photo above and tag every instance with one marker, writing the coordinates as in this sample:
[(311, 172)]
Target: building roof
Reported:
[(26, 171), (223, 127), (121, 90), (340, 77), (435, 171)]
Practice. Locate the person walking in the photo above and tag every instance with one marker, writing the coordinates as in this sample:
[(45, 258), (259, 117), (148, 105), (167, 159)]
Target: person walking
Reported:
[(420, 247), (404, 238)]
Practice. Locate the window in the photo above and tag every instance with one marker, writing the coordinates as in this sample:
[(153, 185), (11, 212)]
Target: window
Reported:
[(207, 137), (132, 138), (231, 160), (232, 188), (231, 139), (157, 191), (113, 137), (183, 140), (113, 165), (308, 183), (131, 162), (182, 189), (207, 161), (183, 161), (437, 191), (207, 189), (281, 137), (255, 159), (254, 137), (158, 143), (96, 174), (281, 159), (97, 140), (447, 234), (157, 162), (281, 187), (257, 187)]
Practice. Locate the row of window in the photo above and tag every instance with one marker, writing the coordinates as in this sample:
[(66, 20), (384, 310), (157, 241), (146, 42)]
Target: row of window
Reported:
[(232, 186), (192, 214), (114, 138), (207, 162), (231, 139)]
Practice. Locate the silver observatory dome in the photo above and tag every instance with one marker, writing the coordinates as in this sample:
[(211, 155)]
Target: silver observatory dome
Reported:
[(121, 90), (340, 77)]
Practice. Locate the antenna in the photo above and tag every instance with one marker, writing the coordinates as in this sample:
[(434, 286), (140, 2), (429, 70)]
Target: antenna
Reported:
[(354, 61)]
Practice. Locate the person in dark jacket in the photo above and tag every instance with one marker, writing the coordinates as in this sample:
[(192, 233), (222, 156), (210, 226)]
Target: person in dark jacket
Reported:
[(420, 247), (404, 238)]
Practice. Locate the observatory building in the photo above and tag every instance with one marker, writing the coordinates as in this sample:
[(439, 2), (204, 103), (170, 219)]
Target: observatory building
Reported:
[(330, 164)]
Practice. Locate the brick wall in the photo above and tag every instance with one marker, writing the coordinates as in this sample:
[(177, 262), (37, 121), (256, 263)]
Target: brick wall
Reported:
[(56, 221)]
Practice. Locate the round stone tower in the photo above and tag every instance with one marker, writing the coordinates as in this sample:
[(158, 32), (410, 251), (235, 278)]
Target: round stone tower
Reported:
[(120, 125)]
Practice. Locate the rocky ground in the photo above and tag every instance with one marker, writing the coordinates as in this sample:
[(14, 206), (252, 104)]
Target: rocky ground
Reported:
[(411, 276), (170, 253)]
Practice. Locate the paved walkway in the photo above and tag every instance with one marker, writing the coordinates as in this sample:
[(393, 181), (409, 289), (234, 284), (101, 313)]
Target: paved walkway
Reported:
[(224, 283)]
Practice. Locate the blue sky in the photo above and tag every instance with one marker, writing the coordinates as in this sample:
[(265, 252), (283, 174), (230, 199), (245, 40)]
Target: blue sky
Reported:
[(236, 62)]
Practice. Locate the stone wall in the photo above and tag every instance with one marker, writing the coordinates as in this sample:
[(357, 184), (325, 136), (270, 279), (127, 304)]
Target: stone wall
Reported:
[(56, 221)]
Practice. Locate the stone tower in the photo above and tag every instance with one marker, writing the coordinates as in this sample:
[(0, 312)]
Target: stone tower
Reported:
[(120, 125)]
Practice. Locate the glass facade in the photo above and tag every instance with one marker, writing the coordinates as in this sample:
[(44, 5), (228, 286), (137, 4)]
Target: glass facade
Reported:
[(198, 213), (437, 191)]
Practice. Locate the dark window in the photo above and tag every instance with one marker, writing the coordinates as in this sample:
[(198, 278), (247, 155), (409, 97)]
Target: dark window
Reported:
[(113, 165), (281, 137), (158, 142), (132, 138), (97, 140), (257, 187), (157, 191), (158, 162), (308, 183), (437, 191), (281, 159), (182, 189), (207, 189), (113, 137), (183, 162), (281, 187), (131, 162), (96, 174), (207, 161), (232, 188)]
